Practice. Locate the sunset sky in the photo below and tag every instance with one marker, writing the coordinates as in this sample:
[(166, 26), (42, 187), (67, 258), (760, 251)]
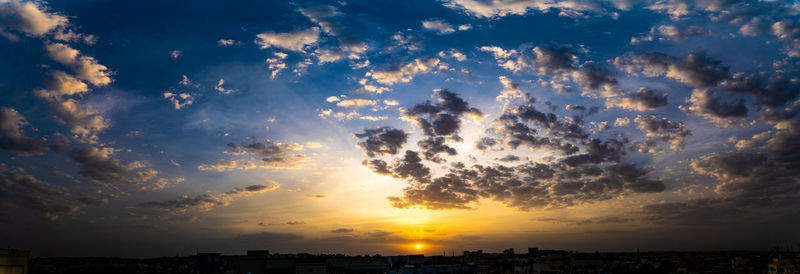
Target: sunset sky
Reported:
[(156, 128)]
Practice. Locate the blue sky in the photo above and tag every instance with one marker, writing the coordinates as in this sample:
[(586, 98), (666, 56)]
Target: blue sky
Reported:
[(364, 127)]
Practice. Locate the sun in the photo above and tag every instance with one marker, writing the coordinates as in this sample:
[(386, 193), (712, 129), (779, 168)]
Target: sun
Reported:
[(418, 246)]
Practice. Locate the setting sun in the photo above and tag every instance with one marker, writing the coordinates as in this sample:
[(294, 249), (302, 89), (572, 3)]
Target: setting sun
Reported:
[(418, 246)]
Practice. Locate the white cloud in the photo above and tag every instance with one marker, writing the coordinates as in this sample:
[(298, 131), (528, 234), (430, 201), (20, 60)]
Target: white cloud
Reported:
[(29, 18), (332, 99), (219, 88), (85, 67), (226, 42), (439, 26), (510, 89), (179, 100), (175, 54), (356, 103), (294, 41), (61, 53), (453, 53), (500, 8), (404, 73), (62, 84), (277, 64), (321, 15)]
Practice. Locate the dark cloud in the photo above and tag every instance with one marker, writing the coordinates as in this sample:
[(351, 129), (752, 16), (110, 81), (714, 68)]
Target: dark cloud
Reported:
[(696, 69), (206, 202), (593, 76), (554, 60), (20, 189), (59, 142), (672, 33), (587, 170), (771, 91), (322, 15), (525, 125), (11, 135), (641, 100), (343, 230), (100, 165), (440, 121), (597, 220), (720, 111), (270, 152), (509, 158), (432, 146), (584, 111), (760, 174), (675, 133), (382, 140)]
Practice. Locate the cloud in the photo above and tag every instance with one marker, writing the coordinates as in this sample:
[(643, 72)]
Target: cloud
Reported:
[(321, 15), (226, 42), (179, 100), (596, 220), (641, 100), (98, 164), (453, 53), (510, 89), (560, 64), (501, 8), (343, 230), (586, 171), (62, 84), (29, 17), (271, 154), (790, 31), (696, 69), (11, 135), (769, 91), (442, 118), (175, 54), (382, 140), (206, 202), (551, 60), (355, 103), (84, 121), (403, 73), (20, 189), (723, 113), (439, 26), (750, 179), (665, 130), (622, 121), (219, 88), (672, 33), (295, 41), (84, 67), (277, 64)]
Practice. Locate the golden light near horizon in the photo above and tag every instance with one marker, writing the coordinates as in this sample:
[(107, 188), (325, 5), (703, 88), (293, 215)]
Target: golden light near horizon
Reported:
[(418, 246)]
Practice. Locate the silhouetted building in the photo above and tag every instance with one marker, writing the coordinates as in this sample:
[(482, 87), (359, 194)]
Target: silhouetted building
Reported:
[(13, 261), (210, 263)]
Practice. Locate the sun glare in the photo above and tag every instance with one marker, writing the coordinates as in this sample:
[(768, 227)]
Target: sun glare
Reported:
[(418, 246)]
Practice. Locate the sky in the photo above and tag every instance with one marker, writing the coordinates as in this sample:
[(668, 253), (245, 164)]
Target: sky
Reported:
[(162, 128)]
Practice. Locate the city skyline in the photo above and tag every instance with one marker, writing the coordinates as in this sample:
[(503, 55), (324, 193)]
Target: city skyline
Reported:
[(146, 129)]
